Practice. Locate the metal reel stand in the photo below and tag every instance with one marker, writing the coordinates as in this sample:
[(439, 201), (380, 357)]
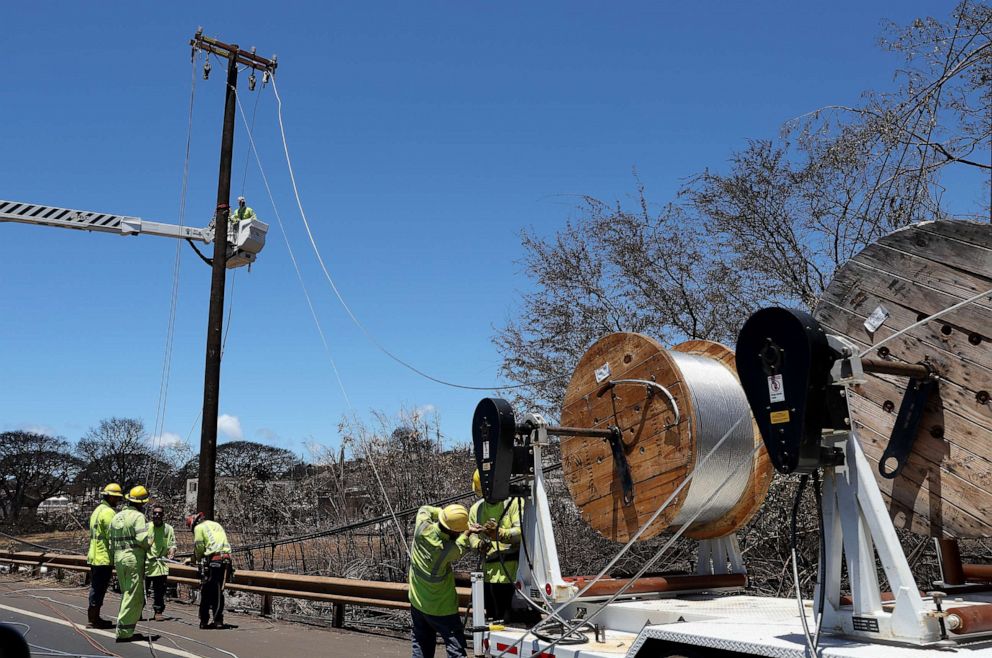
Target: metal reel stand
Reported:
[(501, 456)]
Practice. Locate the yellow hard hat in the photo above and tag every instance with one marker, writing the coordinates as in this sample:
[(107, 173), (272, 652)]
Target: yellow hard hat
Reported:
[(112, 489), (477, 483), (454, 518), (137, 494)]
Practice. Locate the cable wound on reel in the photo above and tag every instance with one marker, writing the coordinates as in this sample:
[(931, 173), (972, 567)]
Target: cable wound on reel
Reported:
[(671, 408)]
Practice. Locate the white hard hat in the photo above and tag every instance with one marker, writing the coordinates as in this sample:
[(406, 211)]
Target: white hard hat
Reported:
[(240, 199)]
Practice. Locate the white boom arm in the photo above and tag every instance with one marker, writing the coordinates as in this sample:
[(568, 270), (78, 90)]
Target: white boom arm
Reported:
[(246, 238)]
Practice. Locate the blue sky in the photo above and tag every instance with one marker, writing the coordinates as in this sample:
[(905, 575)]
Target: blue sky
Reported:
[(424, 135)]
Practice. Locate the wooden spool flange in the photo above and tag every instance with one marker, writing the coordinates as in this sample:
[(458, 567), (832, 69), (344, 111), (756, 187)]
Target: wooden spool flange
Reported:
[(660, 454), (945, 489)]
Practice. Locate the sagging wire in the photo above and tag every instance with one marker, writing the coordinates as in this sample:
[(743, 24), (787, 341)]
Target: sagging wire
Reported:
[(47, 549), (155, 630), (344, 392), (39, 650), (337, 293), (810, 646), (822, 566), (812, 638)]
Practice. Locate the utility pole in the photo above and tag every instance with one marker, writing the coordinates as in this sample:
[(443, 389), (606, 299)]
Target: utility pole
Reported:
[(215, 321)]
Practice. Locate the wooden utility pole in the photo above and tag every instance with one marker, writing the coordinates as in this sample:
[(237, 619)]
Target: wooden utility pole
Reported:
[(215, 321)]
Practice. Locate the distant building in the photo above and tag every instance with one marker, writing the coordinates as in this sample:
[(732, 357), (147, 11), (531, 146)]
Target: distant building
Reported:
[(56, 506)]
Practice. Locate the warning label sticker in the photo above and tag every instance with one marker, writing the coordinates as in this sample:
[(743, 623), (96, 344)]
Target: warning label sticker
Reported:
[(603, 372), (779, 417), (776, 389)]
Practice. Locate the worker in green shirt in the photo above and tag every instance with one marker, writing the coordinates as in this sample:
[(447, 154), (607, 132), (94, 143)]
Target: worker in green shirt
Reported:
[(130, 539), (99, 557), (212, 553), (157, 570), (500, 544), (440, 537)]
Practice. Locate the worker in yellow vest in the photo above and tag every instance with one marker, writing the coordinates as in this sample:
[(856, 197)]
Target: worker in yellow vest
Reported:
[(157, 570), (99, 557), (499, 543), (440, 537), (212, 553), (244, 211), (130, 539)]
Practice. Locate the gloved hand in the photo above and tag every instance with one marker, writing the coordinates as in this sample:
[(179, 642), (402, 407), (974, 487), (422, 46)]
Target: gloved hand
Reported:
[(491, 530)]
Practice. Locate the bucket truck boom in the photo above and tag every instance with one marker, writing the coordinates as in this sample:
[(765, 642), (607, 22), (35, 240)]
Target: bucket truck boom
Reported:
[(245, 238)]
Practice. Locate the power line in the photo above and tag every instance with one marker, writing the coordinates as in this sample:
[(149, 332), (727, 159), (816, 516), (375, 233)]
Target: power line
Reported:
[(340, 297), (170, 334)]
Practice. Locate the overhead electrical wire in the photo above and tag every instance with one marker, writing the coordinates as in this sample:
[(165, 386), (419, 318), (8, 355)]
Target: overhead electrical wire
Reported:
[(170, 334), (368, 451), (337, 293)]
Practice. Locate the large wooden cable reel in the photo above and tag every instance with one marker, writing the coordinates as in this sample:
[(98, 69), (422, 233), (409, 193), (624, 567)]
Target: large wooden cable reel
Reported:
[(659, 451), (945, 486)]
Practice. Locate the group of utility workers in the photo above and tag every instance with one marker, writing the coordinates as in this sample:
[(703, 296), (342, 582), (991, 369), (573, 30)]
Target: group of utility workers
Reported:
[(140, 553), (440, 538)]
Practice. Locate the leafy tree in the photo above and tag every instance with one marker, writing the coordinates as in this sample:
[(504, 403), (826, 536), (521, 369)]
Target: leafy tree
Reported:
[(33, 467), (247, 459)]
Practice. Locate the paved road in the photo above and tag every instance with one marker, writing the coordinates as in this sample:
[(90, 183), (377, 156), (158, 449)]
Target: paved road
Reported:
[(53, 617)]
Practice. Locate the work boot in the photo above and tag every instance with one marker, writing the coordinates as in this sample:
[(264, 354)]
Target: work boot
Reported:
[(158, 617), (93, 615), (137, 637), (205, 625)]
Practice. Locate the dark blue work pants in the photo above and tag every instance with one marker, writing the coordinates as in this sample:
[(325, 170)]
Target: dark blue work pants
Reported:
[(426, 628), (99, 581)]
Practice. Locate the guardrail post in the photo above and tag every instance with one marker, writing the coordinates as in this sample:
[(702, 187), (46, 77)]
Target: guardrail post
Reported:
[(337, 613), (266, 605)]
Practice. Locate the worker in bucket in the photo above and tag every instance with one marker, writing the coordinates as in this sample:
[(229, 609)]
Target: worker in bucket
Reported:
[(100, 557), (212, 554), (243, 211), (499, 543), (130, 539), (440, 537), (163, 548)]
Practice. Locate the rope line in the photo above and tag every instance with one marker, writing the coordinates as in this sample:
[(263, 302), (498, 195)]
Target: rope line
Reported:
[(337, 293)]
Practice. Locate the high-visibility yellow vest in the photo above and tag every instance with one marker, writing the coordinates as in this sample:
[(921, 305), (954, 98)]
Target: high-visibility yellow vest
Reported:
[(100, 554), (163, 540), (242, 213), (130, 533), (209, 539), (431, 579), (502, 556)]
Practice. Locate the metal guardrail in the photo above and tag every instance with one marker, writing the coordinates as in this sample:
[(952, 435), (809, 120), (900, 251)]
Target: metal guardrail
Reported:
[(338, 591)]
